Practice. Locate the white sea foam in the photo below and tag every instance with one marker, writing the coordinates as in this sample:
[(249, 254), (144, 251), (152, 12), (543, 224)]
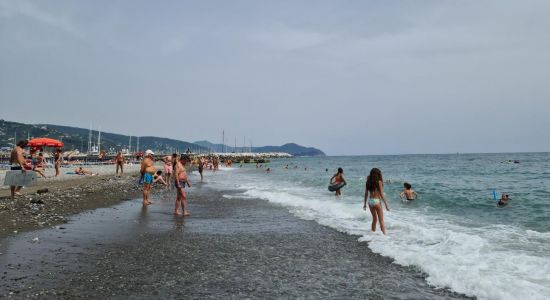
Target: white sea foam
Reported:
[(491, 262)]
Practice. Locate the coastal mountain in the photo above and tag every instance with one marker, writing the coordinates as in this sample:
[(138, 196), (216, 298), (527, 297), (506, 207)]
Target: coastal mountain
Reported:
[(77, 138), (290, 148)]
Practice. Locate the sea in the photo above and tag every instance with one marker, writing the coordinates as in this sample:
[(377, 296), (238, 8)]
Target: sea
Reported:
[(454, 232)]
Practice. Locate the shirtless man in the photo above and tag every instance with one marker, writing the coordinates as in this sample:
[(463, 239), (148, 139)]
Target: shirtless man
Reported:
[(119, 161), (147, 172), (17, 161), (168, 167), (180, 181)]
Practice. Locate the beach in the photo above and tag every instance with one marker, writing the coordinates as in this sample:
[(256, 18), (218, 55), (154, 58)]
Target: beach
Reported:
[(67, 194), (254, 234), (228, 248)]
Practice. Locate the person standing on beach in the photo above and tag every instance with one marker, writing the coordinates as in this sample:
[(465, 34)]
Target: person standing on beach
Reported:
[(168, 166), (119, 160), (338, 178), (180, 180), (58, 159), (201, 166), (147, 171), (375, 188), (17, 161)]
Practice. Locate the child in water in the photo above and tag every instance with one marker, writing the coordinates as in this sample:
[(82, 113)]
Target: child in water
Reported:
[(408, 192), (375, 189), (503, 200)]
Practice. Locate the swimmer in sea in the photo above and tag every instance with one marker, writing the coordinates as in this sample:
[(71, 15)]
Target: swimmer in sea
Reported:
[(375, 189), (338, 178), (503, 200), (408, 193)]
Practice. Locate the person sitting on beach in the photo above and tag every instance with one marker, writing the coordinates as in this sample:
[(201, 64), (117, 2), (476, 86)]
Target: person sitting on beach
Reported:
[(337, 179), (408, 192), (119, 161), (180, 180), (158, 178), (82, 171), (17, 161), (375, 189), (147, 171), (39, 165)]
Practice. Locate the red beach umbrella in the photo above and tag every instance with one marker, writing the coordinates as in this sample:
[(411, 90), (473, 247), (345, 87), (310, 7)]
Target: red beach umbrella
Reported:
[(45, 142)]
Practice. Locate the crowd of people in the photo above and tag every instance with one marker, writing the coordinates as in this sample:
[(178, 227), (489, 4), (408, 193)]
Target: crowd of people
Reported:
[(175, 170)]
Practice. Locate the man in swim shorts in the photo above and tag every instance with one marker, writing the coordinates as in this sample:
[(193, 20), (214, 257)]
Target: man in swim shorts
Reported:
[(147, 171), (17, 161)]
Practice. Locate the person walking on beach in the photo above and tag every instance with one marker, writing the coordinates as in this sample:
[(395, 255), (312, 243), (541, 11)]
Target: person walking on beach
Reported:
[(147, 172), (338, 179), (58, 159), (119, 161), (180, 180), (17, 161), (375, 189)]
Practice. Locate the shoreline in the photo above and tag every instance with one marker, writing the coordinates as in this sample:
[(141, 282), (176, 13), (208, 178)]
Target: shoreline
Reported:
[(227, 248)]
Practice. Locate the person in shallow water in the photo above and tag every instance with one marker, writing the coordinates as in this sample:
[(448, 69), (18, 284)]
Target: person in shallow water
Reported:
[(408, 193), (147, 170), (336, 179), (375, 189), (180, 180)]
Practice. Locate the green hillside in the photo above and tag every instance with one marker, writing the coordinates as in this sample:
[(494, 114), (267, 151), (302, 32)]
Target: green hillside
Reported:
[(77, 138)]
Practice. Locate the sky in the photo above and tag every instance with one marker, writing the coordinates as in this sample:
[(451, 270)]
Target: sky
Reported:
[(348, 77)]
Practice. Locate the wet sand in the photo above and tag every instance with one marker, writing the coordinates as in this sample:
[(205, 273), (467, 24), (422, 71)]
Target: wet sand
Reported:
[(227, 248)]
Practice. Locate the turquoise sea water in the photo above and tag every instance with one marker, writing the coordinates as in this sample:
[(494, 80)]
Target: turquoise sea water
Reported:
[(454, 232)]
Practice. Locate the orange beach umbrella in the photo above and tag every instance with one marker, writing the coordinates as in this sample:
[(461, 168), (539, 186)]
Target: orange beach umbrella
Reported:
[(45, 142)]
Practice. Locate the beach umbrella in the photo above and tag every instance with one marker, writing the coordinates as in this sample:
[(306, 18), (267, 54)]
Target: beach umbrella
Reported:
[(45, 142)]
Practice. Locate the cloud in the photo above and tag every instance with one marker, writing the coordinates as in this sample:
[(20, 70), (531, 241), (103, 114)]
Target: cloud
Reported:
[(31, 11), (288, 39)]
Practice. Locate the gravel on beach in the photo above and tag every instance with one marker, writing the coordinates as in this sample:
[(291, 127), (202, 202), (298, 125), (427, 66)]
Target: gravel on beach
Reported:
[(64, 197), (227, 249)]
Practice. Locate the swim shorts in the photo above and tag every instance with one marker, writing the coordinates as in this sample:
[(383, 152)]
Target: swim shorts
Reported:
[(147, 178)]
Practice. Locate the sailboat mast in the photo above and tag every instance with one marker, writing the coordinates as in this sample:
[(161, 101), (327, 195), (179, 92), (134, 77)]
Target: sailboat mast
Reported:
[(99, 141)]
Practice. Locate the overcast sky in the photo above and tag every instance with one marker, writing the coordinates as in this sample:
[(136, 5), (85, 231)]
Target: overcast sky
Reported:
[(348, 77)]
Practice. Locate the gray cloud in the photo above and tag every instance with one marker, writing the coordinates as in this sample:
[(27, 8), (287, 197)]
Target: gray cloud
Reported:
[(356, 77)]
